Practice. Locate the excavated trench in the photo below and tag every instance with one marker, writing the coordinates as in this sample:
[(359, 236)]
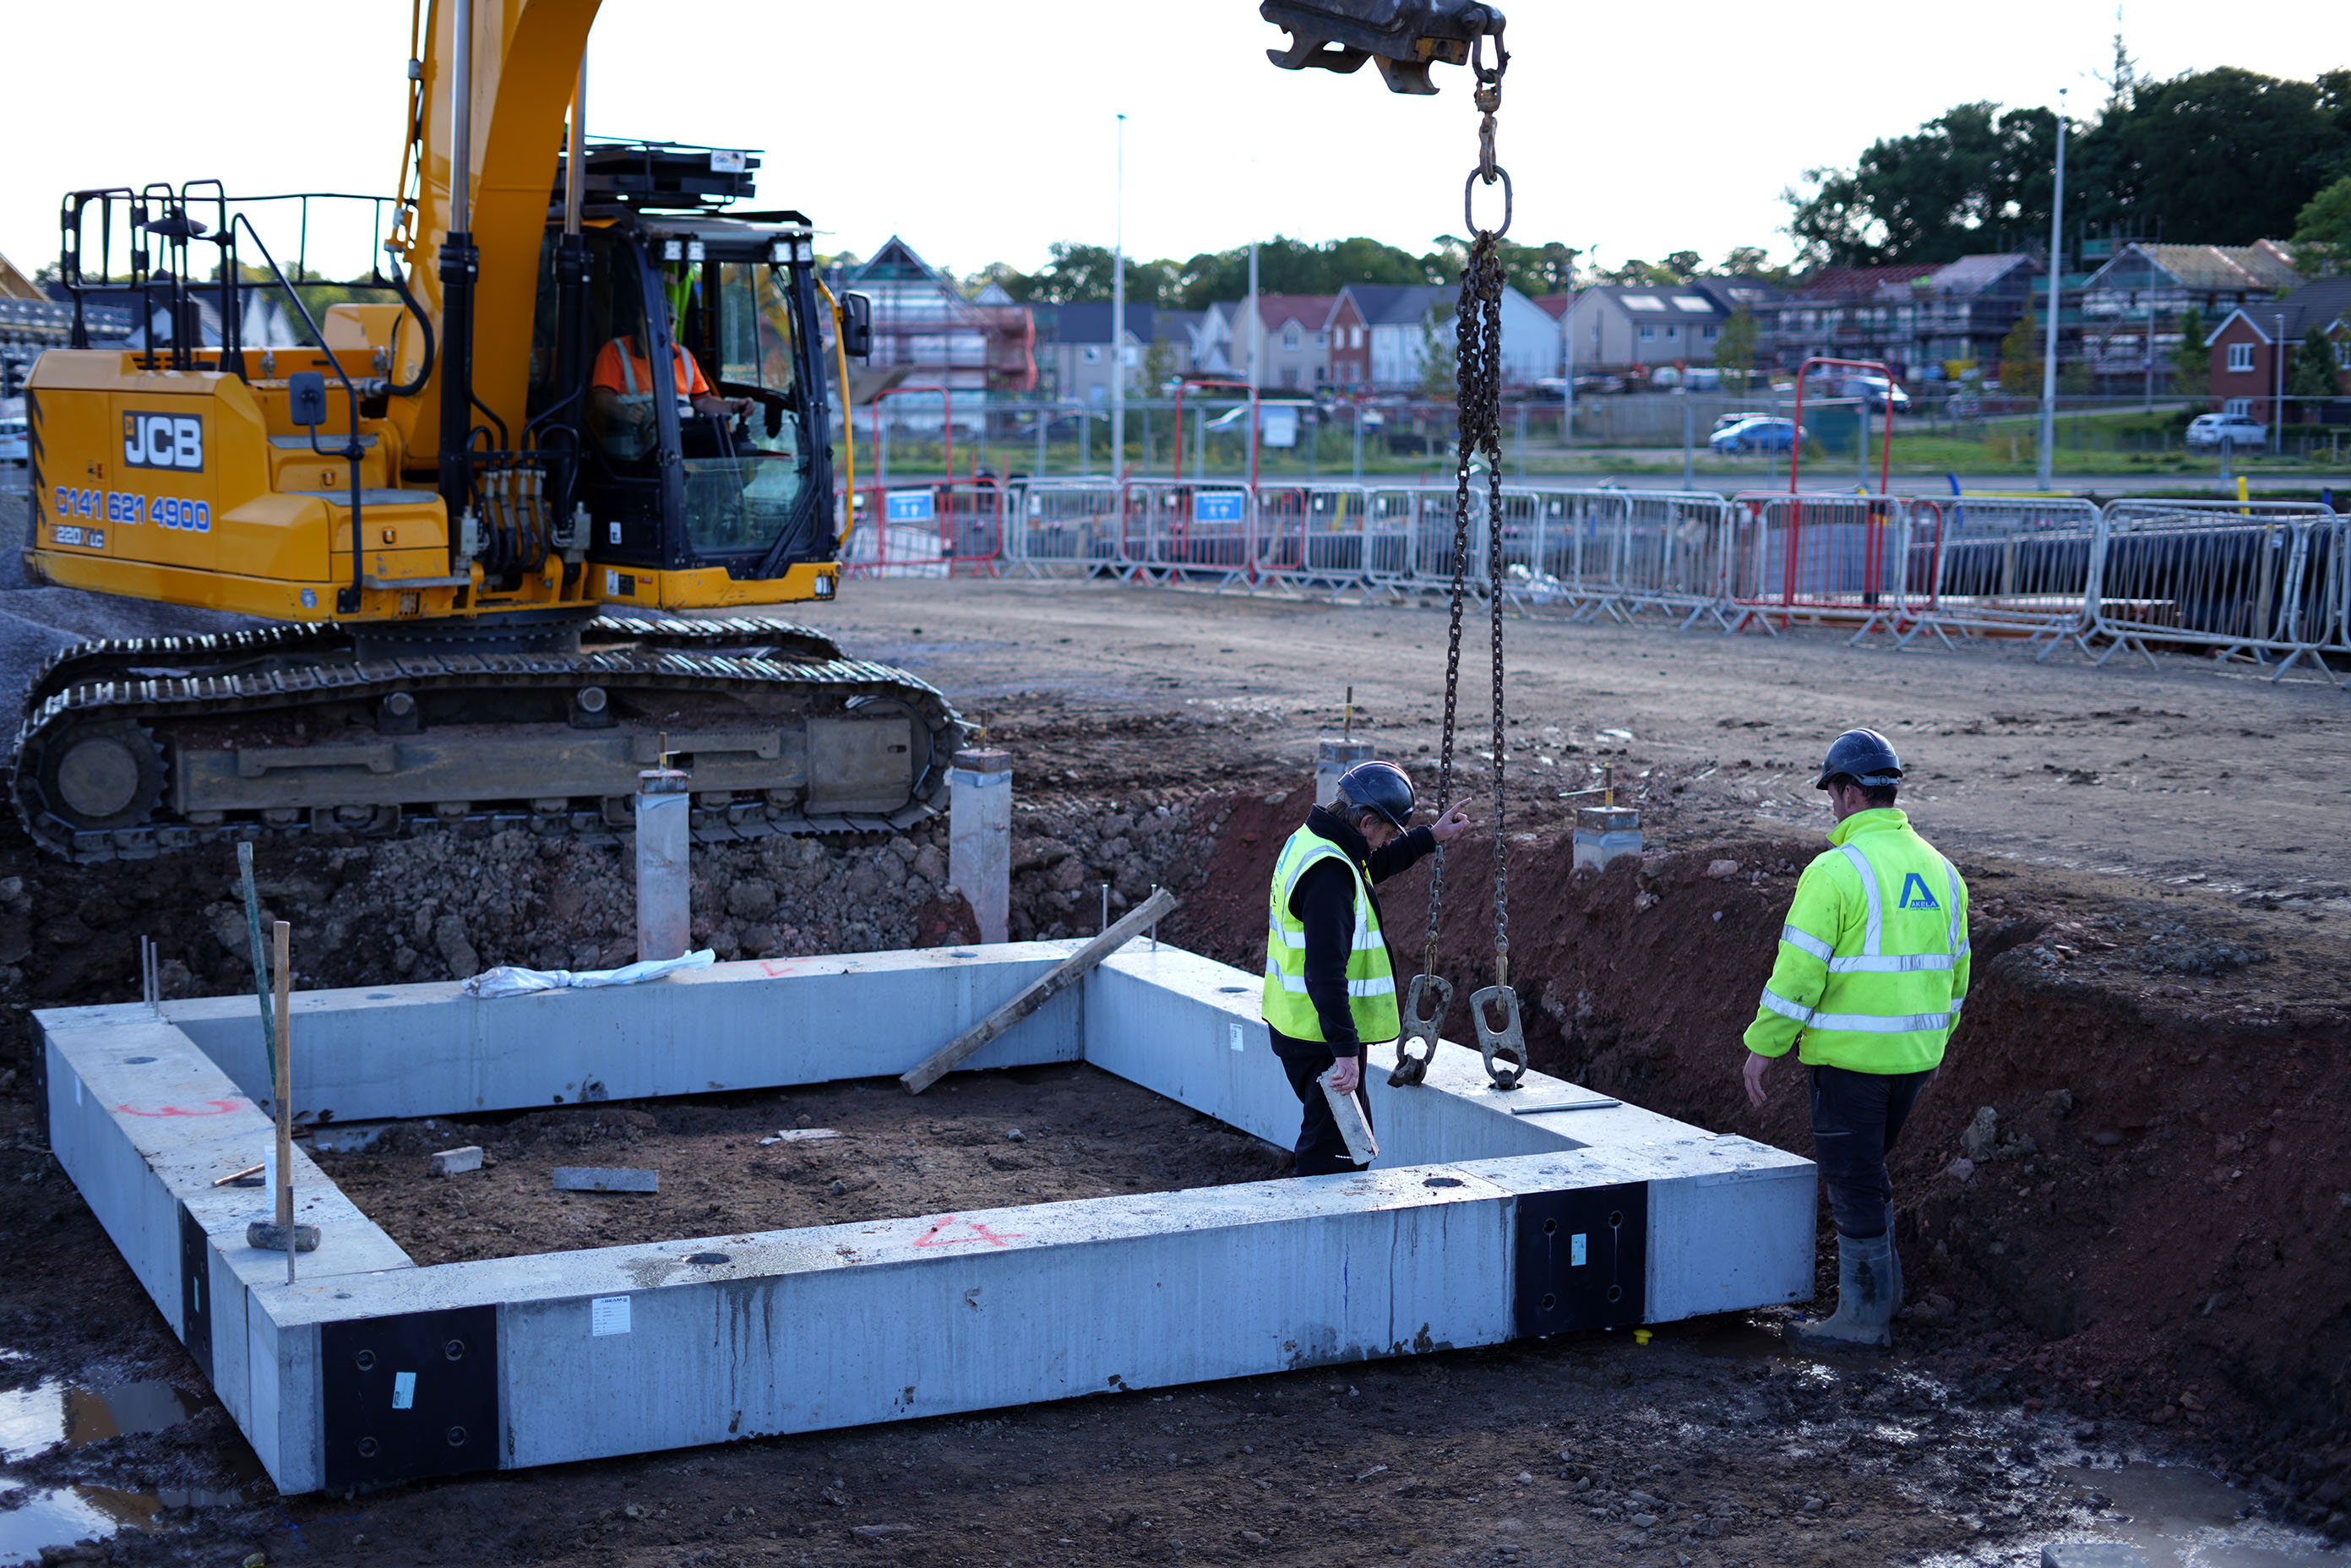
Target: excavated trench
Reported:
[(2151, 1229)]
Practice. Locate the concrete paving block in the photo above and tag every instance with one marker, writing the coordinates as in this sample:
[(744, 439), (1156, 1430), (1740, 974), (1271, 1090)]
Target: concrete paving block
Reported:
[(456, 1161), (591, 1178), (2091, 1554), (801, 1135)]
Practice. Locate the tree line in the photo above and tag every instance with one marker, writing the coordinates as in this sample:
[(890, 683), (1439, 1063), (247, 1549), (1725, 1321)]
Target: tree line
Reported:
[(2224, 156), (1081, 273)]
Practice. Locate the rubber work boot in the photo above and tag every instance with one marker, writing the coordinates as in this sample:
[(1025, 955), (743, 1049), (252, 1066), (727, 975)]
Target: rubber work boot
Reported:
[(1865, 1297)]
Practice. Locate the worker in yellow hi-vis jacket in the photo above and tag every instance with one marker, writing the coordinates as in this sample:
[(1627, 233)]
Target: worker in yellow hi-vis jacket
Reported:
[(1872, 969)]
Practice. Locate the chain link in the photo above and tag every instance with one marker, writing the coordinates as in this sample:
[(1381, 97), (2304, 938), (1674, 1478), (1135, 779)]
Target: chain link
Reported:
[(1477, 343)]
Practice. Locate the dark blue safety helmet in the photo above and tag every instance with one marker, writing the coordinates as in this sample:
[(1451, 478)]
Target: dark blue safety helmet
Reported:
[(1862, 755), (1380, 786)]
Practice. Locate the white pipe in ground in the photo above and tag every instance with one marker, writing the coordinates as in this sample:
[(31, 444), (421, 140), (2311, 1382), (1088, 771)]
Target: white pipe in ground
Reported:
[(979, 836), (664, 836), (1332, 759)]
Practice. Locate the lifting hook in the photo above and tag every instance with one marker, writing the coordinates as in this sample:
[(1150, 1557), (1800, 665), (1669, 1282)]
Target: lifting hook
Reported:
[(1420, 1027)]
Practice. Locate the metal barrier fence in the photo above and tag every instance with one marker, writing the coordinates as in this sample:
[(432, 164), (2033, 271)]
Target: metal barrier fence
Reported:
[(2256, 578), (953, 527), (1822, 559), (2265, 580), (2002, 566)]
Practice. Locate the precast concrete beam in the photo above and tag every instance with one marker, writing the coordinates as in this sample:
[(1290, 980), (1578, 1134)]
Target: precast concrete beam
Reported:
[(1478, 1224), (404, 1052)]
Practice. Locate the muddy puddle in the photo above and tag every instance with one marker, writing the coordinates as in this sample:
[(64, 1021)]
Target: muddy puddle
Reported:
[(49, 1415)]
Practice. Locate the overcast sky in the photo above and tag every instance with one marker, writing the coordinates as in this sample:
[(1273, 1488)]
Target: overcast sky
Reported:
[(986, 131)]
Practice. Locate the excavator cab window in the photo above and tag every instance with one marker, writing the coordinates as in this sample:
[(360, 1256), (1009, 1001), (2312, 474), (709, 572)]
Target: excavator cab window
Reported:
[(743, 476)]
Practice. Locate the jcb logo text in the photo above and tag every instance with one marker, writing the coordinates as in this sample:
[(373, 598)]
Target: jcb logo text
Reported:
[(164, 441)]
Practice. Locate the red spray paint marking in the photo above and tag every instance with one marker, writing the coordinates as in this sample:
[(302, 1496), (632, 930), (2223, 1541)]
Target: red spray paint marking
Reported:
[(215, 1108), (979, 1232)]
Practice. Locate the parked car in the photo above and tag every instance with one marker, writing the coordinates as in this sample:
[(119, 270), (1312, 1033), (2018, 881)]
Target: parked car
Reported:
[(1760, 433), (1548, 388), (14, 449), (1876, 390), (1723, 422), (2240, 430)]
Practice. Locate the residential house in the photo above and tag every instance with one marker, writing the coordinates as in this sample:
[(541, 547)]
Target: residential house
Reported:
[(1078, 362), (2132, 306), (1621, 328), (2246, 347), (1403, 322), (1293, 348), (927, 333), (1350, 345), (1842, 313)]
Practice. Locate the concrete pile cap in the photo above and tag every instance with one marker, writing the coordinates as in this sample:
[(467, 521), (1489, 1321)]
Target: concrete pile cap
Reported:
[(1488, 1226), (455, 1161)]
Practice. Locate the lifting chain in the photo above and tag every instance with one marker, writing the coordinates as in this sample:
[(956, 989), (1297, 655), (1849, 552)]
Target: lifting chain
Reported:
[(1477, 340)]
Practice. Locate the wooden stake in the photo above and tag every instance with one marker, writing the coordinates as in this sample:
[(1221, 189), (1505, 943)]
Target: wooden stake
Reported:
[(1060, 978), (282, 938)]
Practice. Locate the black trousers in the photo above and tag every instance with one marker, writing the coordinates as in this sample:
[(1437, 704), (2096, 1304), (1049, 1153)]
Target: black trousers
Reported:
[(1856, 1116), (1322, 1151)]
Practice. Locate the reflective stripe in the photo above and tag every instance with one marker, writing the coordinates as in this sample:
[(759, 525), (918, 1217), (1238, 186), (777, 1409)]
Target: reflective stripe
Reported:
[(1959, 941), (1296, 984), (1871, 1023), (1805, 941), (1875, 934), (1901, 964), (1784, 1007), (1365, 937)]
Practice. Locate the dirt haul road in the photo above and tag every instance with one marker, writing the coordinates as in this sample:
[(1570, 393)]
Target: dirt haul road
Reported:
[(2191, 771), (2143, 1256)]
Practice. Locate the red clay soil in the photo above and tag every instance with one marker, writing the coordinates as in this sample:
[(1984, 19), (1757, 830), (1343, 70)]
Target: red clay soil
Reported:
[(2167, 1206)]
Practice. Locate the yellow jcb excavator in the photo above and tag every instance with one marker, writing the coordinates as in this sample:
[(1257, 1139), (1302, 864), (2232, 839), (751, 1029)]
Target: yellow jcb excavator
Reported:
[(482, 505)]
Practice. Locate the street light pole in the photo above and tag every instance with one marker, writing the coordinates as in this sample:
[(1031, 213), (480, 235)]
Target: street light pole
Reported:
[(2277, 381), (2046, 455), (1118, 314)]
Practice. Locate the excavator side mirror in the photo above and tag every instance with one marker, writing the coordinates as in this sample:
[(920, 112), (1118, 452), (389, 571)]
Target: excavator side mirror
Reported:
[(856, 325), (305, 399)]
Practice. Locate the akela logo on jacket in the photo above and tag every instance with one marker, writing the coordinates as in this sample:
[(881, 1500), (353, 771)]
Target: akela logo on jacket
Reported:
[(1915, 893)]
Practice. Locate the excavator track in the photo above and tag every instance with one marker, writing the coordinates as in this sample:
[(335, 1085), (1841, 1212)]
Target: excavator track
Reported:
[(133, 767), (233, 653)]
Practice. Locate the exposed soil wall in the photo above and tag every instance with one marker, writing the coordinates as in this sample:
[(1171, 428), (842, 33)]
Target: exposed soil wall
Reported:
[(2159, 1211)]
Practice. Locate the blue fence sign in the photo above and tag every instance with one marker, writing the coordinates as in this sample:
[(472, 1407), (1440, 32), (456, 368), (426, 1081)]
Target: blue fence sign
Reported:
[(908, 506), (1217, 506)]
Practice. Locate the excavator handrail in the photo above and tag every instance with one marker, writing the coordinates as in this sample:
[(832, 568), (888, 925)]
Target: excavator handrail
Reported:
[(352, 453)]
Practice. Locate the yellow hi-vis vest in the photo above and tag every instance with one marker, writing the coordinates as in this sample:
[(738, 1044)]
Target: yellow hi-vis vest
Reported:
[(1370, 979), (1873, 962)]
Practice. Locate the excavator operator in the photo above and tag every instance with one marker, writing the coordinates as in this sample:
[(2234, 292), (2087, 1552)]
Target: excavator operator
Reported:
[(622, 390)]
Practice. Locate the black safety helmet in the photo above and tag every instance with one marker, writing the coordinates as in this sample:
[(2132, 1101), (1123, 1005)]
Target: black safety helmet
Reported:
[(1380, 786), (1863, 755)]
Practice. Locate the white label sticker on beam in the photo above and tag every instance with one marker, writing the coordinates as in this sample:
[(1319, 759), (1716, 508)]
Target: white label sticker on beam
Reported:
[(1575, 1250), (608, 1314), (1236, 1037), (403, 1391)]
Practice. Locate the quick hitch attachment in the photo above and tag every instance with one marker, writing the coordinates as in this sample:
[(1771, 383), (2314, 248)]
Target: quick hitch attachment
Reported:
[(1508, 1039), (1404, 37), (1420, 1027)]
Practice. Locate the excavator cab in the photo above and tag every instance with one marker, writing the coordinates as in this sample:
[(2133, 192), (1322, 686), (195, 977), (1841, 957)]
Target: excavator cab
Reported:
[(692, 506)]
